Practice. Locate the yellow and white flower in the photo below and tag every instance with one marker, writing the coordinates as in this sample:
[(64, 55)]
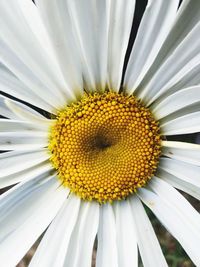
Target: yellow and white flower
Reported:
[(86, 146)]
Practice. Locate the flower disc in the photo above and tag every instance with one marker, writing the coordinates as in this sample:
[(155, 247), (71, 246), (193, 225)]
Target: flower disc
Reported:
[(105, 146)]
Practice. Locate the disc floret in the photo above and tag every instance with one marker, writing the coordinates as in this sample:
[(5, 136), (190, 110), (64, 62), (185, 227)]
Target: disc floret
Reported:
[(105, 146)]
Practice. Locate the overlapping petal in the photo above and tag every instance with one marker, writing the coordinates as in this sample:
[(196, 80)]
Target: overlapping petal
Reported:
[(107, 246), (21, 215), (168, 204), (13, 86), (58, 235), (126, 236), (22, 18), (178, 56), (156, 23), (84, 233), (150, 251), (183, 151)]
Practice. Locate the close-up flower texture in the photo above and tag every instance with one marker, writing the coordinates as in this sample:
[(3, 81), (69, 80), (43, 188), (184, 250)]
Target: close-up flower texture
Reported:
[(91, 131)]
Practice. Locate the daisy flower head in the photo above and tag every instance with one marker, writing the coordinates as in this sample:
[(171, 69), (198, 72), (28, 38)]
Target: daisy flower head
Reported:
[(86, 141)]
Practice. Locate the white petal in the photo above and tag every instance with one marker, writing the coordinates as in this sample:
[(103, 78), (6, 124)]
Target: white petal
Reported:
[(9, 84), (187, 9), (19, 16), (170, 195), (26, 113), (54, 245), (107, 243), (26, 174), (176, 101), (191, 109), (90, 21), (25, 214), (181, 175), (183, 151), (23, 140), (56, 18), (150, 251), (191, 78), (18, 125), (83, 236), (177, 215), (121, 18), (178, 35), (15, 110), (189, 123), (156, 23), (29, 83), (184, 171), (184, 58), (126, 235), (15, 161), (57, 21), (11, 197), (186, 186), (5, 111)]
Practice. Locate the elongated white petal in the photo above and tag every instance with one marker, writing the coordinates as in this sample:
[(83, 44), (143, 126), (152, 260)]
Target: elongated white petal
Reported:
[(102, 30), (181, 175), (176, 101), (155, 82), (181, 27), (16, 193), (56, 18), (15, 110), (185, 57), (107, 245), (150, 251), (18, 125), (27, 218), (5, 111), (121, 17), (182, 170), (156, 23), (16, 16), (26, 174), (183, 151), (23, 140), (9, 83), (187, 186), (126, 235), (30, 84), (15, 161), (167, 193), (23, 112), (177, 215), (57, 236), (190, 78), (189, 123), (90, 20), (83, 237), (22, 135)]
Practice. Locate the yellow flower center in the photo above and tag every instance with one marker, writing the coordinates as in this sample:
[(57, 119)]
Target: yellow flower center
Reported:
[(105, 146)]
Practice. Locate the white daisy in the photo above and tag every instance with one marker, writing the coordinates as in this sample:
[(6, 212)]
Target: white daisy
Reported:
[(86, 168)]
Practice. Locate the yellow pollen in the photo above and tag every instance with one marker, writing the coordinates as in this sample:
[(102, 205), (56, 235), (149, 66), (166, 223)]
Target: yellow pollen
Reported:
[(105, 146)]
